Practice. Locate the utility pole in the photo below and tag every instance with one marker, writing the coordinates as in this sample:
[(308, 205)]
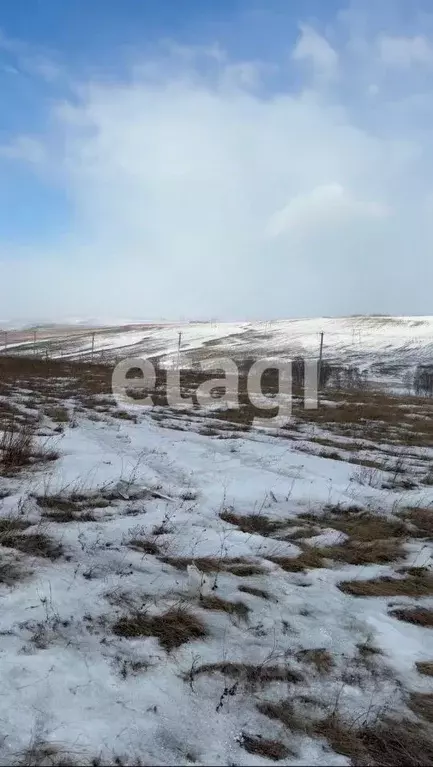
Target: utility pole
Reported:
[(178, 349), (320, 356)]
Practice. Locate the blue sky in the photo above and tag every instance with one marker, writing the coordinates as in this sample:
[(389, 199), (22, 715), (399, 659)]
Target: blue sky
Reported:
[(251, 159)]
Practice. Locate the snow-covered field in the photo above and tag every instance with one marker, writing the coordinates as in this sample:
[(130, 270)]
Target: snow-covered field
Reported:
[(179, 593), (384, 346)]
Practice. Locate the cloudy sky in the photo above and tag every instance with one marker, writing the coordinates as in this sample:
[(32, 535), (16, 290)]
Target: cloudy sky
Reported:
[(234, 159)]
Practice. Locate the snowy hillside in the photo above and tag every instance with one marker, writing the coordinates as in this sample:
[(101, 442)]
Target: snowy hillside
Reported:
[(378, 344)]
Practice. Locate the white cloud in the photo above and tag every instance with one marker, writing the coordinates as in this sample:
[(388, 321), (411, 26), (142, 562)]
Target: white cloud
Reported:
[(316, 50), (198, 195), (405, 51)]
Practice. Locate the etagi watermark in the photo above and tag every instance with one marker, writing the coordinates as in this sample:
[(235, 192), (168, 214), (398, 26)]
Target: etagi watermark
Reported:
[(127, 390)]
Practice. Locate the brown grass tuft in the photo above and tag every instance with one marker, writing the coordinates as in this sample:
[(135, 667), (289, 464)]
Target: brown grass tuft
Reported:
[(233, 608), (318, 657), (383, 743), (410, 586), (269, 749), (147, 546), (420, 616), (252, 675), (308, 559), (255, 524), (237, 565), (425, 667), (33, 544), (173, 628), (422, 520), (421, 703), (365, 552), (16, 445), (255, 592)]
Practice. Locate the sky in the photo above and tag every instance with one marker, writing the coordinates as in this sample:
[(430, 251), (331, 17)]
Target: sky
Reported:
[(234, 160)]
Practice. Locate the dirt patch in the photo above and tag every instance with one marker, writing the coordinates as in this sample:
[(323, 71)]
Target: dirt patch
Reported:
[(420, 616), (411, 586), (173, 628)]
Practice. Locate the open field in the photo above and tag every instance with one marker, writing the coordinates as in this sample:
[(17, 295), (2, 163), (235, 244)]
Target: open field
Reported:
[(387, 348), (180, 588)]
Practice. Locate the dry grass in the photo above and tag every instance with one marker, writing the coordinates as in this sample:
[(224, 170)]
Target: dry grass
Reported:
[(236, 566), (255, 592), (232, 608), (253, 676), (420, 616), (421, 519), (383, 743), (10, 571), (318, 657), (33, 544), (57, 413), (418, 585), (146, 546), (255, 524), (268, 749), (44, 754), (173, 628), (309, 558), (425, 667), (365, 552), (17, 445), (365, 527), (421, 703)]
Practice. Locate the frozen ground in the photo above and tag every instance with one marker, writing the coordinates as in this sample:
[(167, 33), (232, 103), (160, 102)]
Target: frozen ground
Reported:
[(275, 560)]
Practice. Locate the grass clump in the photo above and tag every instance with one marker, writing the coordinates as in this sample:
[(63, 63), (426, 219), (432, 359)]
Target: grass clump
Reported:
[(410, 586), (172, 629), (420, 616), (255, 524), (253, 675), (318, 657), (425, 667), (268, 749), (232, 608)]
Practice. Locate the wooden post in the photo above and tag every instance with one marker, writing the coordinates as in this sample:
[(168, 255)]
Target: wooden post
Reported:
[(320, 357)]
